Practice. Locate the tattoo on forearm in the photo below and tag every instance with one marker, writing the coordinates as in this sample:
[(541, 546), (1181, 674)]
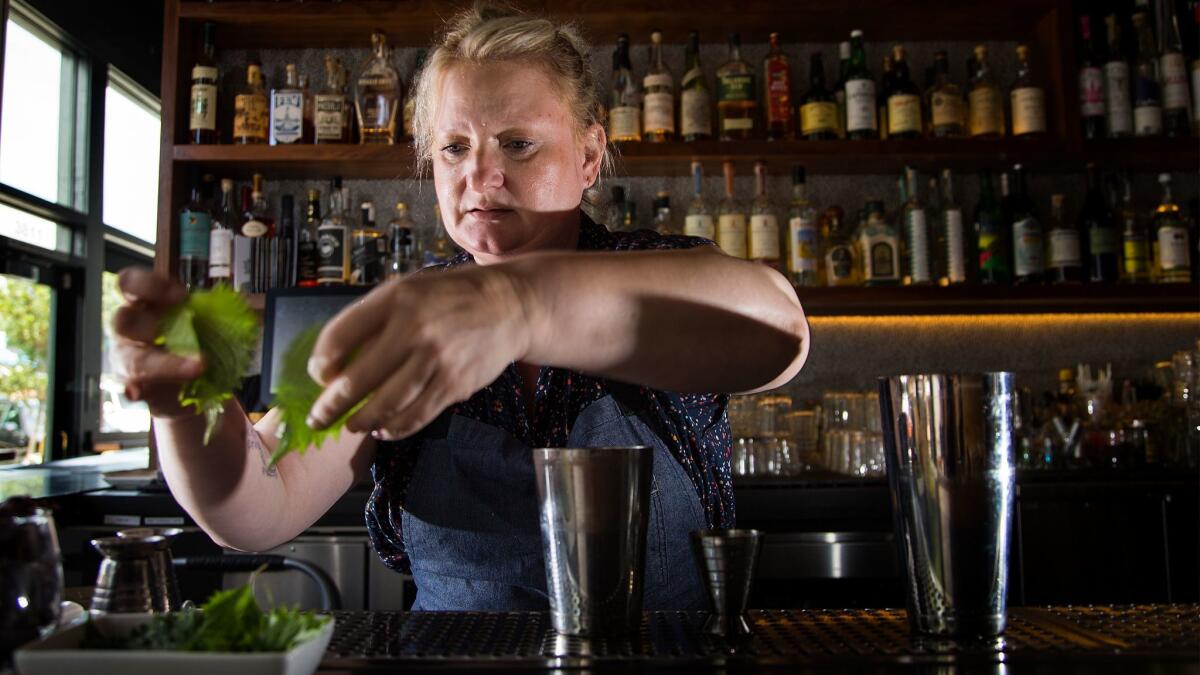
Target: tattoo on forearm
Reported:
[(255, 444)]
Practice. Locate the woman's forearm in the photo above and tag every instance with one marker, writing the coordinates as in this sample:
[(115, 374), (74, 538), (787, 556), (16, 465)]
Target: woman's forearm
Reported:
[(686, 321)]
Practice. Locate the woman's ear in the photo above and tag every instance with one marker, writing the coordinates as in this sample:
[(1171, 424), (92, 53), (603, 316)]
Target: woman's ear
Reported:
[(594, 143)]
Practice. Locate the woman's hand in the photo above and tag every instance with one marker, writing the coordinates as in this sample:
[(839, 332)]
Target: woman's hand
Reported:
[(416, 346), (149, 372)]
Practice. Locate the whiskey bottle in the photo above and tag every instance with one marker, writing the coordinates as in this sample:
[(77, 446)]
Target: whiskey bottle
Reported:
[(803, 241), (904, 100), (860, 93), (401, 244), (220, 237), (332, 108), (839, 254), (839, 91), (257, 220), (658, 103), (288, 123), (1118, 106), (410, 103), (195, 223), (1064, 260), (624, 109), (1147, 95), (878, 244), (333, 249), (1174, 76), (202, 109), (250, 109), (699, 220), (763, 233), (1173, 261), (917, 243), (818, 108), (985, 106), (777, 92), (737, 96), (663, 224), (1135, 241), (946, 109), (307, 253), (367, 250), (955, 251), (695, 103), (1091, 82), (377, 95), (1097, 224), (731, 220), (1029, 265), (992, 235), (886, 82), (1027, 100)]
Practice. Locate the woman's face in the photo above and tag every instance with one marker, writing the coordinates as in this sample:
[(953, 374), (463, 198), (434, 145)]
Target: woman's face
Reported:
[(507, 165)]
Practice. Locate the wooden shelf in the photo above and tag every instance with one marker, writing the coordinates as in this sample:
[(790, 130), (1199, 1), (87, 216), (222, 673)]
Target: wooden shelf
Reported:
[(1041, 299)]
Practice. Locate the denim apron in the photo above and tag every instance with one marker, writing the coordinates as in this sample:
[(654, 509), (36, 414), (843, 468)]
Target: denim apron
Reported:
[(471, 527)]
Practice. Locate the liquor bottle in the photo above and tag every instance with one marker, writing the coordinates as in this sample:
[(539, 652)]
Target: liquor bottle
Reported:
[(737, 96), (946, 109), (1096, 223), (954, 252), (333, 246), (1064, 259), (377, 95), (695, 102), (1118, 105), (860, 93), (878, 247), (307, 253), (803, 241), (250, 109), (1029, 265), (1173, 74), (288, 123), (904, 101), (202, 108), (332, 108), (440, 249), (257, 220), (777, 92), (731, 220), (195, 223), (662, 213), (1091, 82), (1136, 264), (401, 244), (917, 258), (616, 209), (840, 255), (839, 91), (284, 253), (410, 102), (985, 106), (658, 102), (818, 108), (220, 237), (624, 106), (763, 233), (367, 249), (1027, 99), (1147, 95), (1173, 261), (992, 236), (886, 82), (699, 221)]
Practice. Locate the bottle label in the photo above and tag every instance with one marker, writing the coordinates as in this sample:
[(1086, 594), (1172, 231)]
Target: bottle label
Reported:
[(802, 253), (737, 124), (1137, 254), (660, 112), (254, 228), (1148, 120), (696, 114), (307, 261), (985, 112), (779, 92), (731, 234), (881, 261), (1116, 98), (331, 246), (956, 258), (1173, 71), (1028, 110), (700, 226), (1091, 92), (204, 73), (1102, 240), (220, 251), (860, 105), (690, 76), (657, 80), (194, 229), (764, 237), (736, 87), (903, 114), (1028, 248), (1173, 248), (947, 110), (330, 116), (287, 117), (1064, 248), (916, 233), (624, 123), (818, 117), (202, 111), (839, 266), (250, 116)]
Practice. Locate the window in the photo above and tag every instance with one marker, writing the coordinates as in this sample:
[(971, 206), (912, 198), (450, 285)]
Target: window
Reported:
[(118, 415), (25, 364), (131, 129)]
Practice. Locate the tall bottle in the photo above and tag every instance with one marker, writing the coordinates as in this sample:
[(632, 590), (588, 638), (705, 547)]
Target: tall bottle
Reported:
[(945, 105), (624, 106), (956, 251), (195, 223), (803, 241), (410, 103), (1147, 95), (1091, 81), (250, 109), (439, 248), (992, 236), (658, 103), (289, 124), (283, 274), (307, 251), (839, 252), (367, 249), (763, 241), (731, 220), (886, 81), (1173, 74), (879, 248), (220, 237), (332, 108), (402, 256), (860, 93), (818, 108), (1136, 260), (1029, 262), (985, 104), (777, 91), (737, 96), (1064, 262), (333, 245), (202, 107), (917, 244), (1173, 261), (904, 100), (699, 221), (1118, 105), (617, 209), (663, 223), (1027, 99), (1103, 237), (839, 91), (377, 96), (695, 102)]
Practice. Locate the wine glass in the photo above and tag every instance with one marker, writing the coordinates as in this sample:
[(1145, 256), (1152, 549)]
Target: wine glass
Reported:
[(31, 577)]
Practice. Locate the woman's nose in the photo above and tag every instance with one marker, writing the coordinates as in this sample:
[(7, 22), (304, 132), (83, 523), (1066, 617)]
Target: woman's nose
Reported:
[(487, 171)]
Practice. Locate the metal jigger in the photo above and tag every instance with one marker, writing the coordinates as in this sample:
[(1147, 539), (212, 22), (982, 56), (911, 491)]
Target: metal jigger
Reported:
[(727, 560)]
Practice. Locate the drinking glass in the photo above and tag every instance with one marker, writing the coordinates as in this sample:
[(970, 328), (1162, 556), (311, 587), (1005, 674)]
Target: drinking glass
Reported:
[(31, 577)]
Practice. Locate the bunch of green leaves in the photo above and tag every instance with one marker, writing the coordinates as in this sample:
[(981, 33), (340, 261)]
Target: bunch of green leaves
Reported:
[(218, 327)]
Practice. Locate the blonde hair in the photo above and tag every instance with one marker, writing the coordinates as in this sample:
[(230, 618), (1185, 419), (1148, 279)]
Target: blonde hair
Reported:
[(490, 32)]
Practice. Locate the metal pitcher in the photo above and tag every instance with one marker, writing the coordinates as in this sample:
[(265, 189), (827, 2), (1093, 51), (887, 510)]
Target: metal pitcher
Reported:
[(137, 574)]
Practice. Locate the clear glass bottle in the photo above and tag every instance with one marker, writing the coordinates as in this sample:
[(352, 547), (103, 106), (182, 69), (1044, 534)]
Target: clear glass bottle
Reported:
[(859, 90), (1091, 81), (985, 104), (1173, 73), (366, 249), (957, 266), (663, 224), (220, 238), (1103, 237), (378, 95), (731, 220), (699, 221), (838, 248), (818, 108), (1173, 259), (695, 101), (1029, 261), (307, 254), (917, 259), (202, 106), (1136, 264), (737, 96), (763, 233), (289, 125), (658, 102), (625, 105), (332, 108), (1118, 105), (1147, 94), (839, 91), (777, 91), (944, 103), (258, 220), (803, 241), (401, 244), (1064, 262), (195, 225), (333, 241), (440, 249), (879, 248), (1027, 99), (904, 100), (250, 109)]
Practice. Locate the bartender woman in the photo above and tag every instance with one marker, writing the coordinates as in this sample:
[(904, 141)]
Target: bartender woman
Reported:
[(548, 330)]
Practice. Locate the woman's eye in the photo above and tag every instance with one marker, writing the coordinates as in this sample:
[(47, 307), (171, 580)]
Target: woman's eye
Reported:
[(520, 146), (454, 149)]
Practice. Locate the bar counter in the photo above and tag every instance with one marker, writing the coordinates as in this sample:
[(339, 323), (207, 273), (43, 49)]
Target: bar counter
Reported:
[(1163, 638)]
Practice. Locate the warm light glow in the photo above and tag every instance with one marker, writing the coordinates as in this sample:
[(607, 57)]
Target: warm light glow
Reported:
[(1001, 321)]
